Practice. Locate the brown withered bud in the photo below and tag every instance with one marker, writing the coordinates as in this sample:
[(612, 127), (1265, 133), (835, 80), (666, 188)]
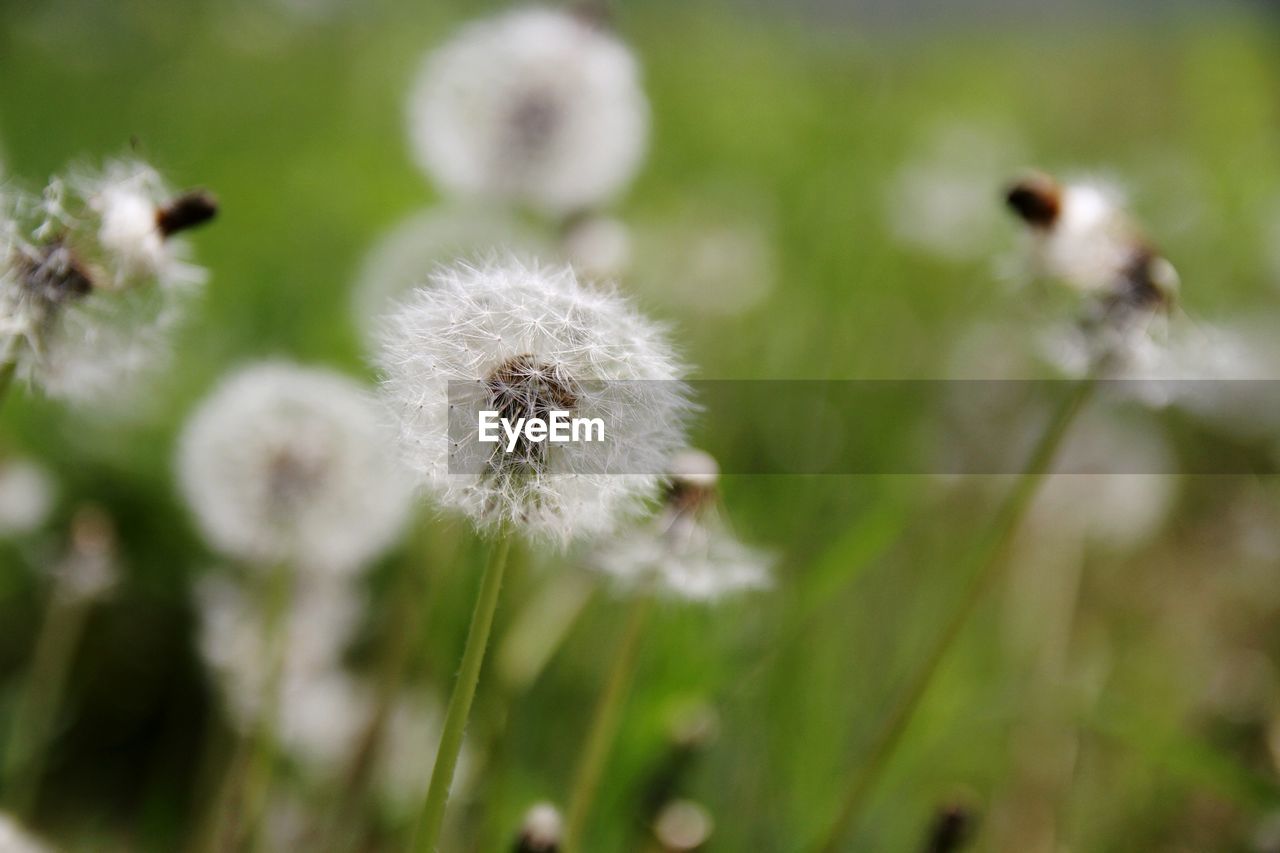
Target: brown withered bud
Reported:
[(187, 211), (1148, 281), (691, 481), (951, 830), (1036, 199)]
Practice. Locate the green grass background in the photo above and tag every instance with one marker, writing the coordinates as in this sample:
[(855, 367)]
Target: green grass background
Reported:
[(298, 126)]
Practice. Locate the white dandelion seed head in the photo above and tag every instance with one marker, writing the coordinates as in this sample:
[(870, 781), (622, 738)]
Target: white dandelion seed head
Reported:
[(91, 289), (687, 550), (940, 200), (408, 753), (290, 464), (683, 825), (542, 828), (598, 247), (1120, 488), (90, 569), (27, 495), (533, 339), (14, 838), (716, 259), (535, 106), (406, 255), (318, 624)]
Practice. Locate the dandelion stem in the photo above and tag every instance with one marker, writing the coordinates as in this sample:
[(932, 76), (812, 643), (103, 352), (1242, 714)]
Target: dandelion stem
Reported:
[(982, 566), (464, 690), (8, 367), (604, 725), (38, 707)]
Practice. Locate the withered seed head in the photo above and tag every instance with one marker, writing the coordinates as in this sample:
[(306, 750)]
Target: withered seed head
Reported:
[(951, 830), (57, 276), (186, 211), (1036, 199), (1148, 280)]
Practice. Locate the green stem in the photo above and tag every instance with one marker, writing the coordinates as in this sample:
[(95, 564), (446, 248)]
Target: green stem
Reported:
[(604, 725), (8, 366), (982, 566), (431, 821), (37, 709)]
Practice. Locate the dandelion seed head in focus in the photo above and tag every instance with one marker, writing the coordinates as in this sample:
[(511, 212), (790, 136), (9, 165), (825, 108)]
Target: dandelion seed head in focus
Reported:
[(26, 496), (527, 340), (93, 279), (289, 464), (535, 106), (687, 550)]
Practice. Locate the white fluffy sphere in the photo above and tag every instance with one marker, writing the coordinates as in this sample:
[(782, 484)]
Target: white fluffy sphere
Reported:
[(289, 464), (535, 106)]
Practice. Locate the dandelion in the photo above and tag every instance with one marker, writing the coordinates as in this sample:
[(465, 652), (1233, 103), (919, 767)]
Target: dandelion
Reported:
[(284, 464), (93, 279), (535, 106), (540, 831), (525, 341), (598, 247), (26, 497), (683, 825), (531, 340), (939, 200), (1082, 236), (715, 260), (15, 839), (399, 261), (687, 550)]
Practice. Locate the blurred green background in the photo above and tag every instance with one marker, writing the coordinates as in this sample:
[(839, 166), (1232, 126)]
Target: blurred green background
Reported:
[(1168, 696)]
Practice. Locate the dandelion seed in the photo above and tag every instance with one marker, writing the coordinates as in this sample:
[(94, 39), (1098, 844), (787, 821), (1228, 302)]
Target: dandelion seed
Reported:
[(15, 839), (26, 497), (529, 340), (285, 464), (402, 259), (93, 279), (687, 550), (541, 830), (535, 106)]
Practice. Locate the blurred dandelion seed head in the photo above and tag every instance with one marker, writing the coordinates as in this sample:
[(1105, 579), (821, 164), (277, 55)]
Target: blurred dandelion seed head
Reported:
[(683, 825), (284, 463), (687, 550), (541, 829), (536, 107), (27, 494), (532, 339), (15, 839), (598, 247), (90, 287)]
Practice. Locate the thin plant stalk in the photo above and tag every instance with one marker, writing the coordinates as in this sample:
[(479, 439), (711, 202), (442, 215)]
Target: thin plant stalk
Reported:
[(55, 648), (982, 565), (431, 821), (605, 723), (8, 367)]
